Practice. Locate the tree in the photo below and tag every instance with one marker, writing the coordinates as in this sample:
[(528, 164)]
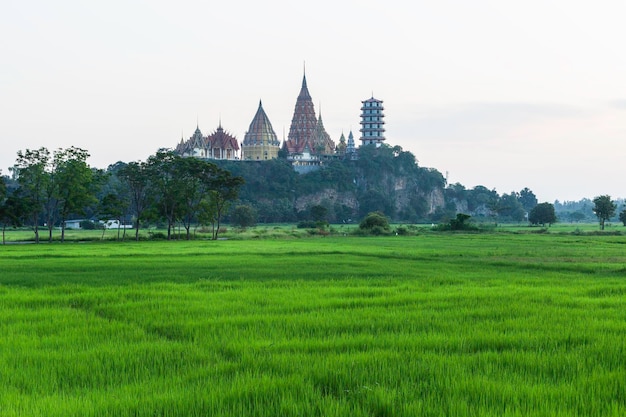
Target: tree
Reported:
[(375, 223), (112, 206), (73, 178), (542, 214), (197, 176), (527, 198), (511, 208), (10, 213), (3, 189), (622, 217), (135, 176), (243, 216), (604, 208), (166, 185), (319, 213), (461, 222), (32, 177), (224, 190)]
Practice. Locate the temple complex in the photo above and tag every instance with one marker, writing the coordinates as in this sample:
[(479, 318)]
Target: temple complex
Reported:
[(307, 146)]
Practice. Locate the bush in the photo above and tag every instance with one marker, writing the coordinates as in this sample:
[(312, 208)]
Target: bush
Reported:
[(87, 225), (402, 231), (243, 216), (375, 223), (307, 224), (461, 222), (158, 236)]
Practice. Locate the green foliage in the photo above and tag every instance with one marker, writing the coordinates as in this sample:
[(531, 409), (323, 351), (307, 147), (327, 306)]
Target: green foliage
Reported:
[(32, 177), (604, 208), (243, 216), (527, 199), (319, 213), (510, 208), (307, 224), (375, 223), (74, 179), (135, 177), (622, 217), (542, 214), (273, 188), (460, 222)]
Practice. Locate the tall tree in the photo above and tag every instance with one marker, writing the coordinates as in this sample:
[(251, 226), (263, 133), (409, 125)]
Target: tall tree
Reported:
[(224, 190), (73, 178), (243, 216), (3, 188), (113, 207), (542, 214), (511, 208), (135, 176), (197, 178), (166, 185), (527, 198), (32, 177), (10, 212), (604, 208)]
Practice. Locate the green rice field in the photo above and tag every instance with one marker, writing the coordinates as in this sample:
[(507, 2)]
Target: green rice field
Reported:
[(494, 324)]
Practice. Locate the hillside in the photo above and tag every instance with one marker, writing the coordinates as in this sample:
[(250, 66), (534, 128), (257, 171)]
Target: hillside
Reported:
[(383, 179)]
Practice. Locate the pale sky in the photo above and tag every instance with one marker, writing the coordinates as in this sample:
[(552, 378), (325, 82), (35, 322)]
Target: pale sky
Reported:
[(504, 94)]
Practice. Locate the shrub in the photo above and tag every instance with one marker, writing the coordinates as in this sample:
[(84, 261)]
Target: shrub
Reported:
[(244, 216), (402, 231), (158, 236), (307, 224), (375, 223), (87, 225)]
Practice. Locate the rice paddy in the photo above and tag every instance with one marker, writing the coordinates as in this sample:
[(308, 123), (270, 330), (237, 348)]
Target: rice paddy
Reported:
[(429, 325)]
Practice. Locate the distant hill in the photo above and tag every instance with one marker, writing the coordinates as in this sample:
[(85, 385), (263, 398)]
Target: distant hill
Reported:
[(382, 179)]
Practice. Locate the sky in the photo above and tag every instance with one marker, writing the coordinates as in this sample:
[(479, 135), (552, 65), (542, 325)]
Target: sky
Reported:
[(503, 94)]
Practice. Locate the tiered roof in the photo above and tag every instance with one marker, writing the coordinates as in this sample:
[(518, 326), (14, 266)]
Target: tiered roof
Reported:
[(260, 131), (322, 143), (306, 128), (222, 140), (207, 147)]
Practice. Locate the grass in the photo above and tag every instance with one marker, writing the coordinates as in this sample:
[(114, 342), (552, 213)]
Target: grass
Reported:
[(437, 324)]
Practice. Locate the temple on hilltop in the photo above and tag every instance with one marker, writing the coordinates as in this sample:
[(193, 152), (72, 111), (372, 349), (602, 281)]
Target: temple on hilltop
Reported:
[(307, 132), (218, 145), (260, 141), (307, 147), (372, 122)]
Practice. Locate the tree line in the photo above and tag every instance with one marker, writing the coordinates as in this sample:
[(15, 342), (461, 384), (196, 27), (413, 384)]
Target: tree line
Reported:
[(49, 188)]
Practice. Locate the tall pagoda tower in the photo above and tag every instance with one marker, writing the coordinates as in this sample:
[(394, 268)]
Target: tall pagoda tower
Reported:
[(322, 143), (260, 141), (372, 130), (303, 122)]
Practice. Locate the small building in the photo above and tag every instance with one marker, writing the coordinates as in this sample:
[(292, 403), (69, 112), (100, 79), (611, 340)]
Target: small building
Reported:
[(304, 161), (74, 224)]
